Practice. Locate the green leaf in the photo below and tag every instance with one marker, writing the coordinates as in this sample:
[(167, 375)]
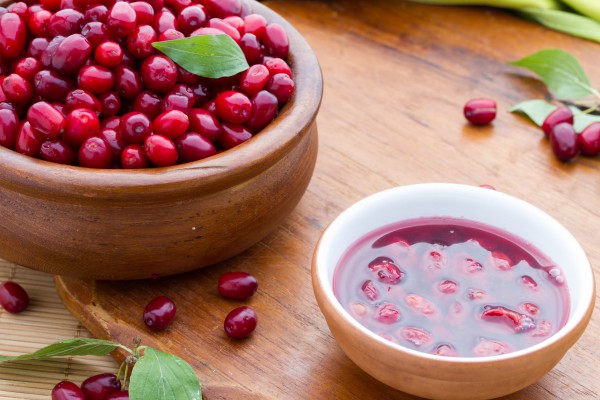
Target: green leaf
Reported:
[(158, 375), (564, 21), (536, 110), (582, 120), (70, 347), (560, 71), (211, 56)]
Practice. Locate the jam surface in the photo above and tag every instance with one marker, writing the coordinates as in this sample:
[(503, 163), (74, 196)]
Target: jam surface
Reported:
[(452, 287)]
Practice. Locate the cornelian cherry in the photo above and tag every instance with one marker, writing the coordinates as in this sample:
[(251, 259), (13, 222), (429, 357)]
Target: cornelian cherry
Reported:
[(240, 322), (66, 390), (13, 298), (99, 387), (237, 285), (159, 313)]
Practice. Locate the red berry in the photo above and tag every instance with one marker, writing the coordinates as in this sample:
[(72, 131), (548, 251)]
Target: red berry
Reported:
[(237, 285), (95, 153), (46, 120), (13, 34), (52, 5), (589, 140), (264, 109), (193, 146), (28, 142), (254, 79), (217, 23), (560, 115), (136, 127), (128, 82), (386, 270), (80, 98), (170, 34), (563, 140), (27, 68), (17, 89), (233, 135), (240, 322), (71, 54), (223, 8), (148, 103), (65, 22), (282, 86), (52, 86), (278, 66), (36, 47), (66, 390), (233, 107), (96, 33), (110, 103), (96, 13), (108, 54), (369, 290), (171, 124), (139, 42), (9, 128), (159, 313), (276, 40), (121, 19), (82, 123), (38, 23), (13, 298), (205, 123), (58, 151), (236, 22), (480, 111), (96, 79), (144, 12), (187, 77), (191, 18), (160, 150), (122, 395), (164, 20), (159, 73), (99, 387), (255, 24), (114, 139), (134, 157), (252, 48)]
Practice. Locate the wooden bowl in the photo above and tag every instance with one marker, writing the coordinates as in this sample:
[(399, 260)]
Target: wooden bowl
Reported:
[(125, 224), (438, 377)]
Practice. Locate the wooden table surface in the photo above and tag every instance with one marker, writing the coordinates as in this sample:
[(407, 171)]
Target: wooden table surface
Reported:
[(396, 77)]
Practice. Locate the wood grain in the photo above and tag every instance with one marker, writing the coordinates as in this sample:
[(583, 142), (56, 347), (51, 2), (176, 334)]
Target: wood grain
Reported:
[(396, 77)]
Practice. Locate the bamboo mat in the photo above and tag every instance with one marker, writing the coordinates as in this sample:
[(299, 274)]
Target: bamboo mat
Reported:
[(44, 322)]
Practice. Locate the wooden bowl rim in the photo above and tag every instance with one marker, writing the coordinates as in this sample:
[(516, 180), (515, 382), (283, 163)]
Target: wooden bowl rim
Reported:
[(41, 178)]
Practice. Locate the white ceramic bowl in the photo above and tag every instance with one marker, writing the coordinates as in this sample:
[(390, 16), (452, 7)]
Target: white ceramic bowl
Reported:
[(440, 377)]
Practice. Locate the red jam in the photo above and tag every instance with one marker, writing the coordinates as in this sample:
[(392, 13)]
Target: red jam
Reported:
[(452, 287)]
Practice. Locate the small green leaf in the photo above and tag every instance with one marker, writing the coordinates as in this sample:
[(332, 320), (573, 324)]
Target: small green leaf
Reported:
[(70, 347), (159, 375), (582, 120), (536, 110), (560, 71), (564, 21), (210, 56)]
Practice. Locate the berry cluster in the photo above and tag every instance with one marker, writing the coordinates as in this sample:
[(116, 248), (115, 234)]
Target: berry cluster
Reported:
[(97, 387), (81, 83)]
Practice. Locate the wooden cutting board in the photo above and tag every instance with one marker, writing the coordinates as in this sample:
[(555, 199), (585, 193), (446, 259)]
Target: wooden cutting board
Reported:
[(396, 77)]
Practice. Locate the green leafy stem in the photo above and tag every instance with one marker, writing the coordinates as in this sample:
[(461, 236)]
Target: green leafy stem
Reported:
[(155, 375)]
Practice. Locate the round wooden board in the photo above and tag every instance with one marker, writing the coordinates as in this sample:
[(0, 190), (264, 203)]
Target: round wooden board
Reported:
[(396, 77)]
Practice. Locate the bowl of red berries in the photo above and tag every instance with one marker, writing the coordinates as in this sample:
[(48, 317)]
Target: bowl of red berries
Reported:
[(149, 138), (450, 291)]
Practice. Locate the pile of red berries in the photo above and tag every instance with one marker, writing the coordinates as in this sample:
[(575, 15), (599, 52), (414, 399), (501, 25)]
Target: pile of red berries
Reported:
[(97, 387), (81, 83)]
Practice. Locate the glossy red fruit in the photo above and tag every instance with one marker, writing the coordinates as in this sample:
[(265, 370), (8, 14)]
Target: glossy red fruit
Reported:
[(80, 98), (134, 157), (94, 152), (164, 20), (480, 111), (121, 19), (36, 47), (278, 66), (254, 79), (191, 18), (218, 23), (108, 54), (558, 116), (563, 140), (38, 23), (58, 151), (237, 285), (370, 291), (252, 48), (159, 73), (159, 313), (46, 120), (81, 124), (99, 387), (48, 53), (9, 128), (233, 135), (237, 22), (96, 33), (66, 390), (52, 5), (144, 12), (65, 22), (206, 124), (13, 34), (71, 54), (139, 42), (264, 109), (255, 24), (171, 124), (128, 82), (96, 13), (17, 89), (95, 79), (52, 86), (28, 142), (136, 127), (160, 150), (233, 107), (114, 139), (149, 103), (589, 140), (13, 298), (170, 34), (122, 395), (276, 40), (110, 103), (282, 86), (240, 322), (386, 271), (19, 8), (27, 68), (180, 101), (192, 146)]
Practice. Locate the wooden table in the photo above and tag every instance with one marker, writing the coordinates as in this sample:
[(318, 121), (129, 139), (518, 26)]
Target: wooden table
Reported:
[(396, 77)]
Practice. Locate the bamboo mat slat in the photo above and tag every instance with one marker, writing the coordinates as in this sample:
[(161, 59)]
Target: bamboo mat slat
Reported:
[(44, 322)]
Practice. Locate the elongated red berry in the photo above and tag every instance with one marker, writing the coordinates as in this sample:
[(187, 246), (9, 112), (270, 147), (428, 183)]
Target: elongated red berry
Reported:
[(480, 111)]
